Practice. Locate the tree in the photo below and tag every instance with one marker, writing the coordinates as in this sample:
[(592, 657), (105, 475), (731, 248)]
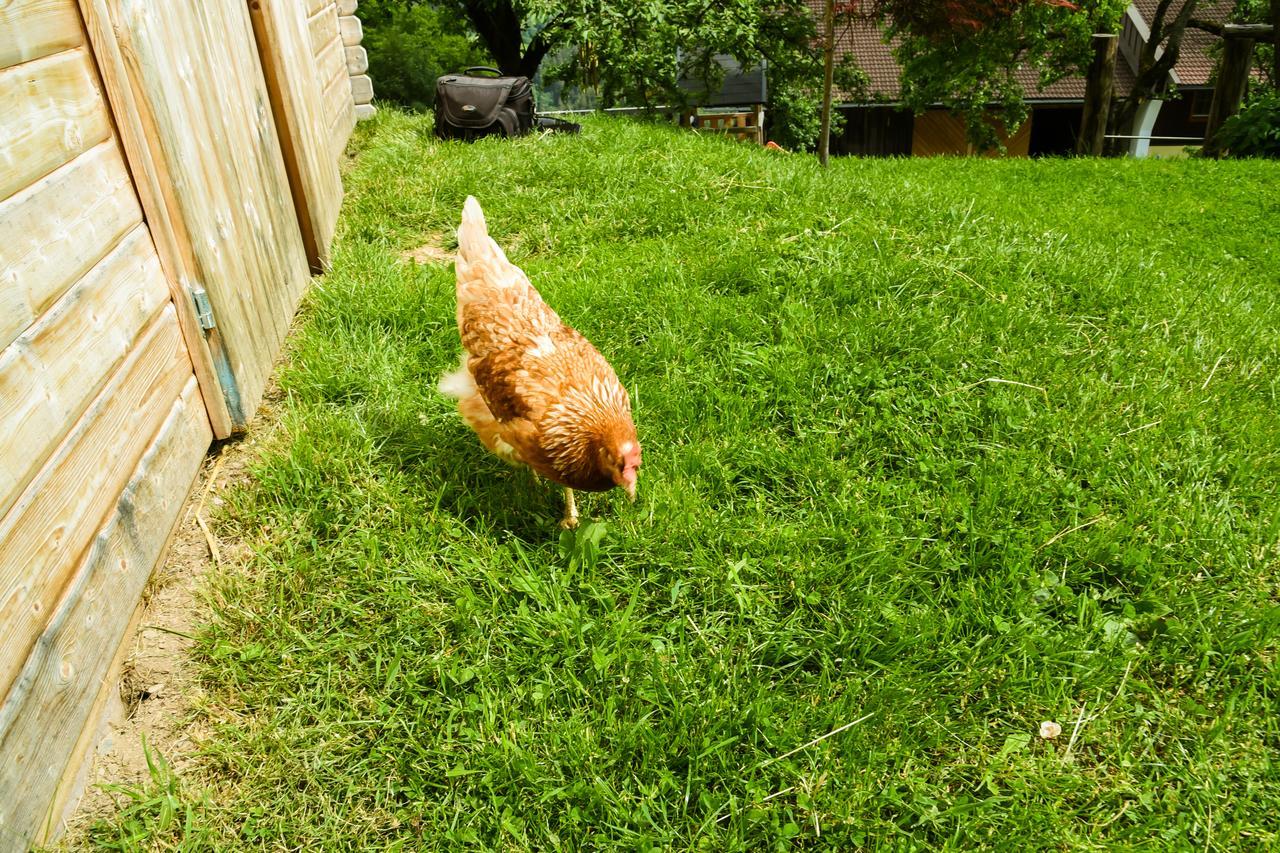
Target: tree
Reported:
[(1169, 25), (517, 37), (411, 44), (965, 54), (634, 53)]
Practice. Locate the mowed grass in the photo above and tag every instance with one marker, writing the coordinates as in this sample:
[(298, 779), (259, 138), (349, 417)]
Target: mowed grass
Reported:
[(935, 450)]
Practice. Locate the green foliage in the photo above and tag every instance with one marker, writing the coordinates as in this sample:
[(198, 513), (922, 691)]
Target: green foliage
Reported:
[(1255, 130), (411, 44), (636, 52), (865, 562), (971, 71), (795, 103)]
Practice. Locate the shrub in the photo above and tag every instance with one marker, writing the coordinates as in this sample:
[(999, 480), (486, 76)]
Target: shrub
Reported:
[(1255, 130), (411, 45)]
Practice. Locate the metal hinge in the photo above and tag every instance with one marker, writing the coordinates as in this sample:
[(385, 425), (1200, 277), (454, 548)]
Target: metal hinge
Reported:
[(204, 310)]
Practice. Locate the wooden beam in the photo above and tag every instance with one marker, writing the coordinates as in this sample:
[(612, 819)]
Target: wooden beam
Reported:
[(352, 32), (347, 7), (151, 178), (1099, 85), (56, 368), (30, 29), (53, 112), (1257, 32), (361, 89), (42, 719), (357, 60), (1233, 79)]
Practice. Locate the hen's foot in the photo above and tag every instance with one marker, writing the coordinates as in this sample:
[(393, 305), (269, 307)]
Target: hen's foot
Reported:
[(570, 519)]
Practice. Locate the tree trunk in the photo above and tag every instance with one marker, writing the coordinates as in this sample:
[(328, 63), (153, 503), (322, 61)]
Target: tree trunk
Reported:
[(828, 74), (1097, 95), (1233, 78), (1153, 71), (498, 25)]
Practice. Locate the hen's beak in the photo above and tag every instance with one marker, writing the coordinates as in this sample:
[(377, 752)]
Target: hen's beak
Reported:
[(630, 489)]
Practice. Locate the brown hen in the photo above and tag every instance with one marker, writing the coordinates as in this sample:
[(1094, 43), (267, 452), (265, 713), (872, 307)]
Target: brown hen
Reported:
[(534, 389)]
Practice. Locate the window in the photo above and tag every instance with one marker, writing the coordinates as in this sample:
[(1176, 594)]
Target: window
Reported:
[(1201, 100)]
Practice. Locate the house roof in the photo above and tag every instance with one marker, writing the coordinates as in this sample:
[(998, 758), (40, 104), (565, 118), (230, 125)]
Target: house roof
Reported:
[(1195, 63), (864, 40)]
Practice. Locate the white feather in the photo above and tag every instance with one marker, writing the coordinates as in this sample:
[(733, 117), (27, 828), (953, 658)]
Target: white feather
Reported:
[(458, 384)]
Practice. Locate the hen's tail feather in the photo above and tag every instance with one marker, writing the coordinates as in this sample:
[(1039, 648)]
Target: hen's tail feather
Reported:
[(473, 233), (474, 243)]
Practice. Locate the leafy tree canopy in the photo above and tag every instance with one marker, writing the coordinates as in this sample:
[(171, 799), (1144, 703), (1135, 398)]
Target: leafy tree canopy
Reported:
[(964, 54)]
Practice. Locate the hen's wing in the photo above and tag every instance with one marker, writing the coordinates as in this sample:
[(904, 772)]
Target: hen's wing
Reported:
[(504, 324)]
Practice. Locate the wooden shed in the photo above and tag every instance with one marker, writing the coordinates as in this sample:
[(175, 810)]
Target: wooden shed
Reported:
[(168, 182)]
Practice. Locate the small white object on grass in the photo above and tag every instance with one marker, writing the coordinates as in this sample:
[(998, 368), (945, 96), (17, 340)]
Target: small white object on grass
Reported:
[(1050, 730)]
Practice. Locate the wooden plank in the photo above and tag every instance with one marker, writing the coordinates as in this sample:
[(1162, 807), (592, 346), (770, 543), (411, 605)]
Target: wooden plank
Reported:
[(155, 190), (214, 132), (357, 59), (937, 132), (313, 6), (365, 111), (341, 112), (51, 373), (53, 111), (30, 29), (347, 7), (352, 32), (55, 230), (322, 28), (1017, 145), (290, 70), (107, 708), (45, 713), (331, 64), (329, 68), (46, 532), (361, 89)]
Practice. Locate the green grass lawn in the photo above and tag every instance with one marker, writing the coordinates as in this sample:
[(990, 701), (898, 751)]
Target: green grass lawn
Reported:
[(935, 450)]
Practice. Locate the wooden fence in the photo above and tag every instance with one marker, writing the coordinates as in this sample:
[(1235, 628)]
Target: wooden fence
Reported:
[(168, 181)]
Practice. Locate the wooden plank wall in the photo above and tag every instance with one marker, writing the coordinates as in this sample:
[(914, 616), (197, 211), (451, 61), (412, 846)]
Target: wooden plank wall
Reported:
[(327, 44), (151, 150), (938, 132), (102, 425), (288, 62), (194, 76)]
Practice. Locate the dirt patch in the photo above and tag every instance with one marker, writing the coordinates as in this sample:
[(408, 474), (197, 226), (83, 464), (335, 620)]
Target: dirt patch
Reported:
[(158, 699), (429, 252)]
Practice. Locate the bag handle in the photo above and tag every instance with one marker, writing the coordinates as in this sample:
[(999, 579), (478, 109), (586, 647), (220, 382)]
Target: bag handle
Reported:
[(496, 72)]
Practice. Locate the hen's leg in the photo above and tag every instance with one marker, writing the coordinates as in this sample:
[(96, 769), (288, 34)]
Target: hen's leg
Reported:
[(570, 519)]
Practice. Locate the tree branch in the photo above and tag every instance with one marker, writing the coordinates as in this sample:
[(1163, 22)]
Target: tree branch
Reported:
[(1207, 26)]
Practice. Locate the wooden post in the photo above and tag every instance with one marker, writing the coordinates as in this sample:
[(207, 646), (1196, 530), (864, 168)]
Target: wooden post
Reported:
[(1233, 78), (828, 75), (1097, 95)]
